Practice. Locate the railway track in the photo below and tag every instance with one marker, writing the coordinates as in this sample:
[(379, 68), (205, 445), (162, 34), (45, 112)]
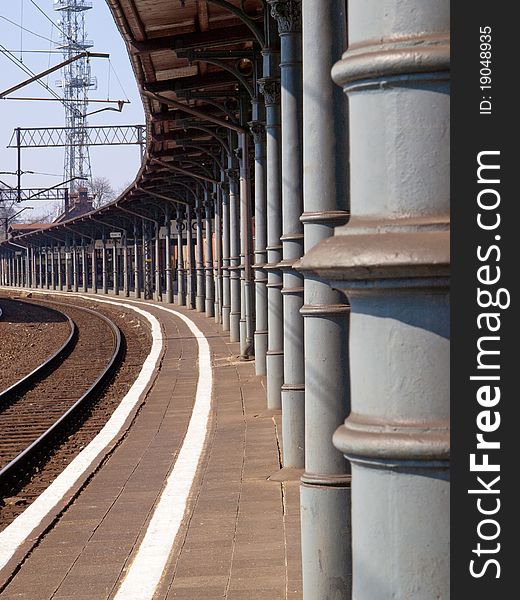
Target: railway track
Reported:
[(40, 410)]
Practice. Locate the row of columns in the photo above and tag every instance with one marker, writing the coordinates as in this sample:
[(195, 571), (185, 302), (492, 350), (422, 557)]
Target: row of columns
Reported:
[(350, 313)]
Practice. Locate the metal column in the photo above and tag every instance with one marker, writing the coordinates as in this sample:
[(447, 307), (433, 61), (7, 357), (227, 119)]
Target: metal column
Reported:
[(137, 279), (104, 267), (200, 298), (192, 277), (94, 267), (181, 289), (115, 268), (84, 266), (68, 266), (74, 256), (53, 267), (210, 283), (59, 268), (218, 254), (392, 260), (234, 251), (325, 490), (288, 15), (168, 258), (270, 88), (226, 291), (157, 261), (126, 279), (260, 336)]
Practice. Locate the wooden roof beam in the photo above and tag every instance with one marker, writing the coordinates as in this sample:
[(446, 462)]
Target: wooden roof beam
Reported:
[(207, 39)]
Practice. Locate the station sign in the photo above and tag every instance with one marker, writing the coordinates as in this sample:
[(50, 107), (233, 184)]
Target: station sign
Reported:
[(115, 235)]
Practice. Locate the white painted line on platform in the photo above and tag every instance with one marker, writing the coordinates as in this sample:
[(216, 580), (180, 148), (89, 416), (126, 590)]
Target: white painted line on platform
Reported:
[(145, 571), (147, 567), (21, 528)]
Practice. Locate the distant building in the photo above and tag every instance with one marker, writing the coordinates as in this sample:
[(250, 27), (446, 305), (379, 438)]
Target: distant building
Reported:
[(77, 204)]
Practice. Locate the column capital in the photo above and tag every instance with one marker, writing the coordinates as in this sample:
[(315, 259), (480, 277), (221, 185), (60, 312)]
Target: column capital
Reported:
[(288, 14), (232, 174), (270, 88), (257, 130)]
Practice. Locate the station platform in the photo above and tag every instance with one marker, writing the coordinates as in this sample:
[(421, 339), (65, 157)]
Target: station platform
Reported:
[(239, 534)]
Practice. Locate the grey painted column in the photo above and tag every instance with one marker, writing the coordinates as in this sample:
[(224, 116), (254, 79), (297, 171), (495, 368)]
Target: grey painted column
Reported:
[(94, 267), (218, 254), (34, 276), (84, 266), (325, 490), (288, 15), (147, 263), (234, 251), (258, 131), (168, 258), (392, 260), (270, 87), (124, 252), (208, 239), (59, 260), (157, 261), (115, 268), (192, 277), (137, 279), (181, 288), (37, 281), (41, 273), (53, 267), (104, 266), (67, 254), (226, 291), (34, 273), (246, 251), (46, 267), (200, 298), (74, 255)]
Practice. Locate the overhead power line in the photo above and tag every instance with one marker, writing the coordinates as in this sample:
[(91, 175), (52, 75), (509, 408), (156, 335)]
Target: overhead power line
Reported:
[(43, 37)]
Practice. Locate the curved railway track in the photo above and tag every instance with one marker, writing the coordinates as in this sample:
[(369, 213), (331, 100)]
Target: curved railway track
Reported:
[(40, 410)]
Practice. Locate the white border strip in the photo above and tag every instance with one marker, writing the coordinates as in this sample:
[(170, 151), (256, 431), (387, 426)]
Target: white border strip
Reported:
[(15, 534), (144, 573)]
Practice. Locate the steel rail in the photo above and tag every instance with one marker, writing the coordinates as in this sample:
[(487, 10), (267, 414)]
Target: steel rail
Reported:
[(16, 468)]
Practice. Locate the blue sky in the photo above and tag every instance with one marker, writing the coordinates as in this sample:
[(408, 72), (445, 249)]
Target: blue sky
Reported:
[(118, 163)]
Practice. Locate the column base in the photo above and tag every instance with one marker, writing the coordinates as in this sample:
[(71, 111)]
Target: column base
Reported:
[(243, 341), (293, 426), (260, 352), (274, 364), (234, 327), (326, 541), (210, 307), (226, 311)]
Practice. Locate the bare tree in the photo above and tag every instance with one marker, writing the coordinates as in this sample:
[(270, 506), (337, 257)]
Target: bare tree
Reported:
[(7, 210), (101, 190)]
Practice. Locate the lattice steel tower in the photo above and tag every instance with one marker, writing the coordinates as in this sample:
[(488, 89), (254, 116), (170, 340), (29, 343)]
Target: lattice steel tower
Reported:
[(76, 81)]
